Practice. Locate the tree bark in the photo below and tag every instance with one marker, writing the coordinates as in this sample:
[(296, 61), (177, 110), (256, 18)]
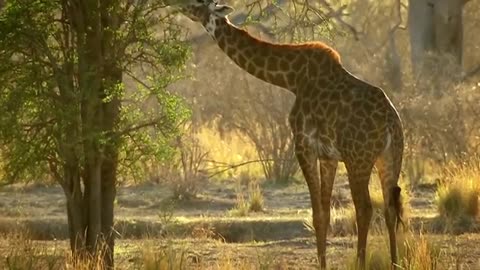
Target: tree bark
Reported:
[(109, 179), (113, 75), (436, 30), (91, 208), (421, 32)]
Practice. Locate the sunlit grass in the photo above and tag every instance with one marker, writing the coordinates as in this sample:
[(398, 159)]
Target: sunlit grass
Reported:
[(24, 254), (241, 208), (255, 198), (414, 251), (457, 196), (229, 149), (153, 258)]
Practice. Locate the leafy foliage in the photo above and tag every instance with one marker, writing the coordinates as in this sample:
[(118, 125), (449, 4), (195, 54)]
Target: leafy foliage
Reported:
[(41, 97)]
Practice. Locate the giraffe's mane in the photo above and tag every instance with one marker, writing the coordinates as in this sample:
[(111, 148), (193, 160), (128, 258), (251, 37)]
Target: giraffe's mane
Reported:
[(315, 45)]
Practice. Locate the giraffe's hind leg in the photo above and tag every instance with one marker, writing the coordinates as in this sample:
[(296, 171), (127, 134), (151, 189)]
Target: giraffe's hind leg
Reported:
[(391, 194), (359, 177)]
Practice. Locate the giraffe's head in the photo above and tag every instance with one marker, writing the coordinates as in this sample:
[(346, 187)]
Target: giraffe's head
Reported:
[(204, 10)]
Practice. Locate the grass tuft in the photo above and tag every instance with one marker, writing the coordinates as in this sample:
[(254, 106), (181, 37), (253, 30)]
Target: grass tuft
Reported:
[(416, 252), (255, 196), (457, 198), (255, 201), (26, 255), (164, 258), (241, 208), (342, 221)]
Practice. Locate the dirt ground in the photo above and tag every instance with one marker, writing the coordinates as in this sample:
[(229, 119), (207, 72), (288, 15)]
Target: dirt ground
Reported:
[(202, 233)]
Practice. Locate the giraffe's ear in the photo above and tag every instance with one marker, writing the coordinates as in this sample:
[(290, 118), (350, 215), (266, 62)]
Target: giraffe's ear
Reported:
[(223, 10)]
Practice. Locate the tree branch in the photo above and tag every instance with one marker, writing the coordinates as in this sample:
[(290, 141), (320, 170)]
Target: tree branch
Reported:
[(234, 166), (132, 128)]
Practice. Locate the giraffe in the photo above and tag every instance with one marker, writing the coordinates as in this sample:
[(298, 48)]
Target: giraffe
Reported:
[(336, 118)]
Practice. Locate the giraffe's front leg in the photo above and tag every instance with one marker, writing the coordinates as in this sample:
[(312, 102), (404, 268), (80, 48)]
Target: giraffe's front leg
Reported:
[(328, 170), (307, 159)]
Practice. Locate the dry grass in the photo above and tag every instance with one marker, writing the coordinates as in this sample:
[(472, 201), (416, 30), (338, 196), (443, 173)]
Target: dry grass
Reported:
[(26, 255), (343, 219), (229, 149), (255, 202), (415, 252), (263, 261), (457, 197), (241, 208), (255, 198), (167, 258), (418, 253)]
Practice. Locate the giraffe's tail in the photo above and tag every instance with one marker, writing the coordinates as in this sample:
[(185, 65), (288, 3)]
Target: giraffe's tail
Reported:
[(397, 154), (396, 202)]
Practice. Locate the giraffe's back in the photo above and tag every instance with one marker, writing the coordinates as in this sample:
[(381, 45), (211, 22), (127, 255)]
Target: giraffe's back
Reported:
[(345, 117)]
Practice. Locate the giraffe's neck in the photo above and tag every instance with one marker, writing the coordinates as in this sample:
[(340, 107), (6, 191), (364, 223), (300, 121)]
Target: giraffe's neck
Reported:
[(273, 63)]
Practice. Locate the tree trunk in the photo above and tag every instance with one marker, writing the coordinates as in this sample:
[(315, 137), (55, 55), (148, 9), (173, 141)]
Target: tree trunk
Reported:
[(76, 222), (108, 190), (421, 31), (436, 31), (110, 163), (448, 22), (91, 208), (393, 61), (113, 77)]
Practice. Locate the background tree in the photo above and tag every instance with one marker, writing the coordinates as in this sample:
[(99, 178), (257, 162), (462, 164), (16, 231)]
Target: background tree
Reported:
[(65, 110), (436, 29)]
